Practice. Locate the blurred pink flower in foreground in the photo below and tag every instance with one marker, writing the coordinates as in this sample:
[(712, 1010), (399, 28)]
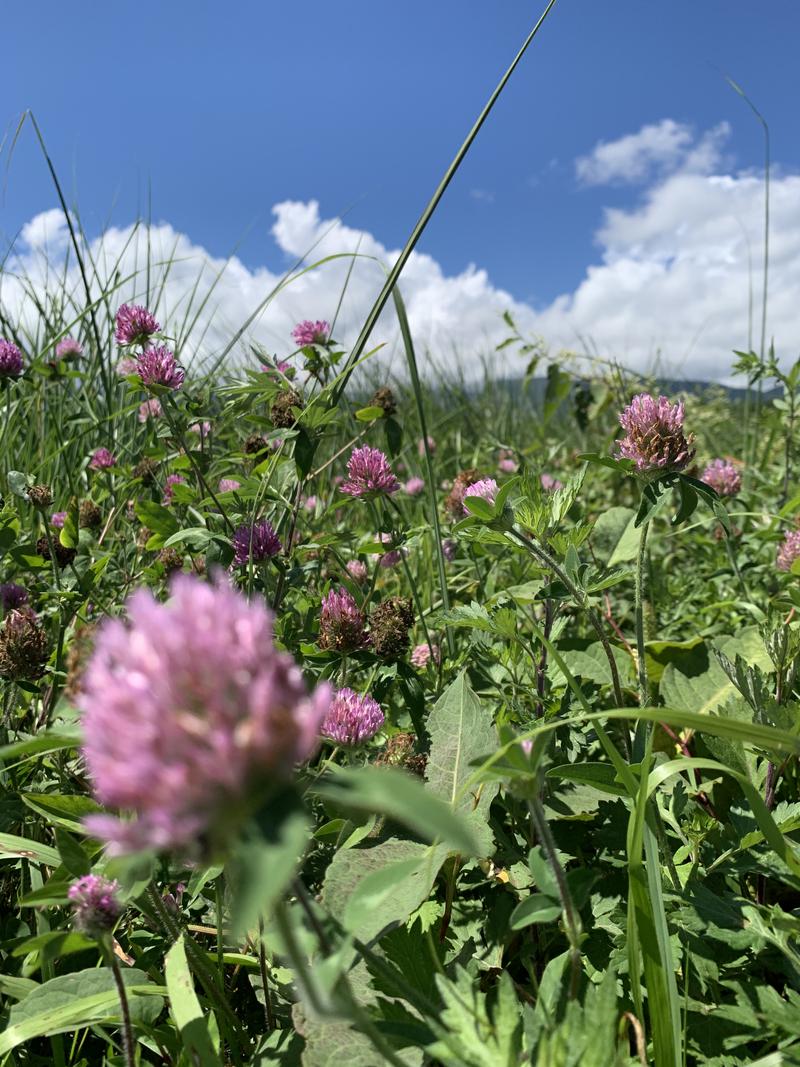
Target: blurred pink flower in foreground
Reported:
[(189, 713)]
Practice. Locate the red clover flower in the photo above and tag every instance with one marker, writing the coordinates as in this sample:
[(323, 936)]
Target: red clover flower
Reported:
[(258, 542), (311, 333), (134, 325), (189, 712), (369, 474), (10, 360), (723, 477), (95, 905), (352, 719), (654, 439), (158, 366)]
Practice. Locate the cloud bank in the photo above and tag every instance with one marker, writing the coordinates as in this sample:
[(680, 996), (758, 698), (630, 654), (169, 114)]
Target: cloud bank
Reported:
[(676, 282)]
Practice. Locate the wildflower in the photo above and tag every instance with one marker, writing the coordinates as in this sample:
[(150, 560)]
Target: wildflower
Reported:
[(454, 503), (385, 400), (134, 325), (95, 904), (401, 751), (342, 624), (158, 366), (169, 487), (170, 559), (57, 519), (228, 485), (421, 445), (40, 496), (654, 439), (723, 477), (10, 360), (357, 570), (68, 348), (12, 596), (257, 542), (145, 470), (202, 429), (389, 624), (77, 657), (23, 646), (310, 503), (394, 555), (421, 654), (311, 333), (127, 365), (64, 555), (449, 548), (414, 486), (507, 463), (254, 444), (352, 719), (150, 409), (102, 460), (486, 489), (281, 413), (369, 473), (789, 550), (90, 515), (549, 483), (189, 712)]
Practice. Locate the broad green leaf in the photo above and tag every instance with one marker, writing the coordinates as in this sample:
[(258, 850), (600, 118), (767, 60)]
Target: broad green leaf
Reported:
[(461, 730), (186, 1010), (615, 539), (73, 1001), (13, 847)]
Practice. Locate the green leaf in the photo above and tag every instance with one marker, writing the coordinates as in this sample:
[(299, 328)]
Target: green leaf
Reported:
[(23, 848), (67, 809), (36, 746), (395, 876), (158, 519), (186, 1010), (72, 854), (73, 1001), (615, 538), (19, 483), (369, 414), (267, 856), (600, 775), (404, 799), (537, 908), (461, 730)]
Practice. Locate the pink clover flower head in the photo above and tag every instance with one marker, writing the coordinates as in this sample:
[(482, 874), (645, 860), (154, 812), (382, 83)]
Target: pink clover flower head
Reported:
[(10, 360), (421, 655), (549, 483), (188, 711), (68, 348), (102, 460), (150, 409), (127, 365), (310, 503), (421, 445), (486, 488), (158, 366), (507, 464), (134, 325), (12, 596), (170, 482), (57, 519), (202, 429), (369, 474), (228, 485), (723, 477), (789, 550), (95, 905), (311, 333), (352, 719), (342, 624), (394, 555), (357, 570), (257, 542), (654, 439), (449, 548), (414, 486)]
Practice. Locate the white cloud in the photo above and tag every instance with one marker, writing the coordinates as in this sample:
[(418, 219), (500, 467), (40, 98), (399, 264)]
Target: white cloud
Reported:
[(671, 278), (655, 149)]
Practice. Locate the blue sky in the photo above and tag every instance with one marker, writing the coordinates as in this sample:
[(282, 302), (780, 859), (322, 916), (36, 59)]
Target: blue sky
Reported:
[(223, 111)]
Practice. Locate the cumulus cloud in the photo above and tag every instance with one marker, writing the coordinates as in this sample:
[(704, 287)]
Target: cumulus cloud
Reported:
[(655, 149), (670, 286)]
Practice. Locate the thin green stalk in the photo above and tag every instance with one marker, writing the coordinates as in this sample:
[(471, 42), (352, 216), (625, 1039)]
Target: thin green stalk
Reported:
[(425, 217), (641, 558), (128, 1046)]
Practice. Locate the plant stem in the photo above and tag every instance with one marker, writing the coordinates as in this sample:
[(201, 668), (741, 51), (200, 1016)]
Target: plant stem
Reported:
[(641, 557), (127, 1029)]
